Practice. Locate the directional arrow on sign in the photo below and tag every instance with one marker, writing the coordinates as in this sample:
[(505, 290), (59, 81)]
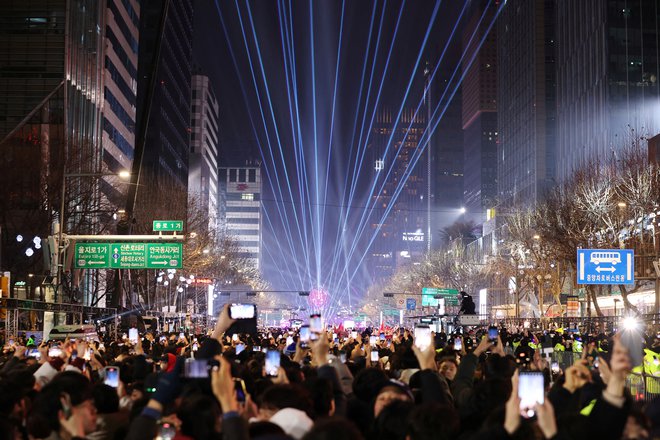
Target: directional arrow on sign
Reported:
[(115, 254), (605, 269)]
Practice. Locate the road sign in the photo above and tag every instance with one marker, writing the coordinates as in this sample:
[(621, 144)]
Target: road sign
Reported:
[(92, 256), (129, 256), (605, 266), (411, 303), (167, 225), (429, 294), (401, 303)]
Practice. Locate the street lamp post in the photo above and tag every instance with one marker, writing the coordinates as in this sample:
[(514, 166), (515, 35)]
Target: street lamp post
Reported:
[(60, 265)]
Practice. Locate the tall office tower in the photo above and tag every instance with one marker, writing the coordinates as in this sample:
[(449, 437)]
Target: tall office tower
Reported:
[(447, 173), (525, 101), (480, 114), (168, 133), (401, 230), (608, 77), (51, 95), (203, 164), (120, 90), (240, 209)]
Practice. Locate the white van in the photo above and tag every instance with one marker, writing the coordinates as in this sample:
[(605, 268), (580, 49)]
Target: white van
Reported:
[(79, 331)]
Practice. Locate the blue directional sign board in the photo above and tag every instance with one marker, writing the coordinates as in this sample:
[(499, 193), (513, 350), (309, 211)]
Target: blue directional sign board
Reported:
[(605, 266), (411, 303)]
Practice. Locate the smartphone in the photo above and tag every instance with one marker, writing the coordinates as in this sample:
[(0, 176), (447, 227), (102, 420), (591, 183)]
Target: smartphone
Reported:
[(531, 392), (422, 337), (342, 357), (304, 336), (354, 334), (166, 431), (162, 339), (256, 348), (242, 311), (239, 348), (334, 336), (315, 323), (289, 340), (632, 339), (195, 346), (133, 335), (458, 344), (11, 342), (33, 352), (234, 337), (492, 334), (272, 363), (372, 340), (112, 376), (54, 352), (374, 356), (239, 386), (196, 369), (382, 336), (182, 335), (554, 367), (596, 363)]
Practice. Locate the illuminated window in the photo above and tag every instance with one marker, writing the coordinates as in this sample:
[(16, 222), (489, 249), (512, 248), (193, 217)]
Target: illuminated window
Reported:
[(247, 196)]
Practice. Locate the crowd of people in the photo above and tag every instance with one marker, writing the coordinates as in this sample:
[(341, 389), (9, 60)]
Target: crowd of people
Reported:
[(342, 384)]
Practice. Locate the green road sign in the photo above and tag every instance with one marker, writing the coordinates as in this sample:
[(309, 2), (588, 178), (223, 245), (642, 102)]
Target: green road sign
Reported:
[(168, 225), (164, 255), (129, 256), (428, 294), (92, 256)]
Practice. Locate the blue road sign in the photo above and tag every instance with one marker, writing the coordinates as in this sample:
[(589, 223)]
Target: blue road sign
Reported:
[(605, 266), (411, 303)]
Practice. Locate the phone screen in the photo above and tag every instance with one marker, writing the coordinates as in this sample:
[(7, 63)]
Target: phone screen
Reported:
[(239, 348), (374, 356), (354, 334), (458, 344), (315, 323), (54, 352), (133, 335), (112, 376), (382, 336), (242, 311), (33, 352), (304, 335), (373, 340), (555, 367), (289, 340), (272, 362), (530, 391), (196, 369), (239, 386), (422, 337), (342, 357), (492, 334)]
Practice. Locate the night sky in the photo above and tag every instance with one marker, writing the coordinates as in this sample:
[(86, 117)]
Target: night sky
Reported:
[(277, 97)]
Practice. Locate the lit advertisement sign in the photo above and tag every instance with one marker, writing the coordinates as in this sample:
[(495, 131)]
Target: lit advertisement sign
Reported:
[(413, 236)]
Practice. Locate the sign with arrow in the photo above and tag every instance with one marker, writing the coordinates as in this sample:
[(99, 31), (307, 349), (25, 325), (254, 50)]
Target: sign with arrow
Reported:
[(605, 266), (130, 255)]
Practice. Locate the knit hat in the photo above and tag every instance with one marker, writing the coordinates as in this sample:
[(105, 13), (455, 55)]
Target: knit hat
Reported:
[(293, 421)]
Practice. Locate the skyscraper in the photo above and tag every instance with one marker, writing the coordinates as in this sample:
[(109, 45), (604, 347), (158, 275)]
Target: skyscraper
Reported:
[(203, 165), (402, 233), (525, 101), (120, 89), (240, 209), (608, 77), (480, 114), (168, 133)]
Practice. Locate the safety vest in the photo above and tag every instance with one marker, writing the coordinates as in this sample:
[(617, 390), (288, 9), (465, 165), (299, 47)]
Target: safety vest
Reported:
[(516, 345), (560, 347), (577, 347)]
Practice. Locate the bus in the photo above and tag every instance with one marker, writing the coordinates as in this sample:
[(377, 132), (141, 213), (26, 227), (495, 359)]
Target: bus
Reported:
[(605, 257)]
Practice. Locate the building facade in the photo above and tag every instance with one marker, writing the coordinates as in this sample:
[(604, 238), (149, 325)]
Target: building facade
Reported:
[(399, 217), (608, 70), (525, 101), (168, 134), (122, 36), (240, 209), (479, 113), (203, 162)]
